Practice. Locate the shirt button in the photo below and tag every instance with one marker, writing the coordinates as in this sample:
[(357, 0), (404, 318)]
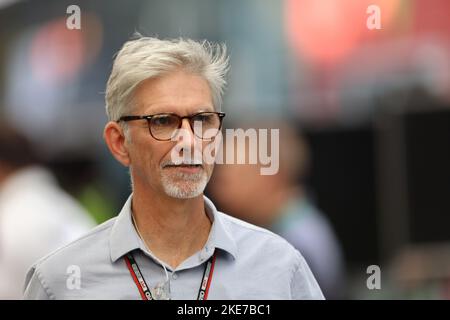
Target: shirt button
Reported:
[(174, 276)]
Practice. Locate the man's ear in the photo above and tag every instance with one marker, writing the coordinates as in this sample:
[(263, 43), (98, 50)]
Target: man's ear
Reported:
[(115, 140)]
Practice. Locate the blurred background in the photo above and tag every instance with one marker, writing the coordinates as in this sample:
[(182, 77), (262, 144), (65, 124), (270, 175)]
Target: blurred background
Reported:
[(364, 119)]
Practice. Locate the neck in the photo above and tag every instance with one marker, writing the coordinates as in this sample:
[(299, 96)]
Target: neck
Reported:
[(173, 229)]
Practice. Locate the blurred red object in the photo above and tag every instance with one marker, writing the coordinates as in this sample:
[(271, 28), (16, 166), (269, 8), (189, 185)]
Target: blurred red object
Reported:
[(325, 32)]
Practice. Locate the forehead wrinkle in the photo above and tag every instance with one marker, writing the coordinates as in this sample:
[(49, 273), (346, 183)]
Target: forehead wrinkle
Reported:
[(176, 93), (152, 109)]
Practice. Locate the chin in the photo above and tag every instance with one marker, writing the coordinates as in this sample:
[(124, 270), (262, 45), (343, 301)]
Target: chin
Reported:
[(182, 189), (183, 193)]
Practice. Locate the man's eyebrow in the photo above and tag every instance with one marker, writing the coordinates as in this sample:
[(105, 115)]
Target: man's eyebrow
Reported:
[(204, 109), (159, 110)]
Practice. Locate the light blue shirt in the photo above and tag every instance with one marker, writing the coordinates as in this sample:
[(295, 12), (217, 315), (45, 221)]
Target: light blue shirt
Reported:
[(251, 263)]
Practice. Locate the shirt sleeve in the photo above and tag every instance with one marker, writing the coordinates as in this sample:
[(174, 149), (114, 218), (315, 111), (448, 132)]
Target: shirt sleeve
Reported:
[(303, 284), (34, 288)]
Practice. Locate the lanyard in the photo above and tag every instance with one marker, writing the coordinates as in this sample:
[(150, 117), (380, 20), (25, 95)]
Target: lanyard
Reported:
[(144, 290)]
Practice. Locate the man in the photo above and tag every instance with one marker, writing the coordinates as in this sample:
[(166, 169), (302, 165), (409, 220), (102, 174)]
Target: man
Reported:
[(169, 242), (32, 222)]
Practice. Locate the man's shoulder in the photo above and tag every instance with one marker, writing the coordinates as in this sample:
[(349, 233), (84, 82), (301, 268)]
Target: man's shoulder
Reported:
[(86, 249), (249, 235), (273, 257), (242, 226)]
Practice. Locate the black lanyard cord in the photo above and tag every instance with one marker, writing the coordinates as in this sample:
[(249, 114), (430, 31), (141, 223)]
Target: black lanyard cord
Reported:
[(144, 290)]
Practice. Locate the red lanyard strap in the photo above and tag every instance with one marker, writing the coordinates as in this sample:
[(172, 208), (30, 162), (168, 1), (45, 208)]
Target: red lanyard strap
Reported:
[(138, 278), (144, 290), (207, 277)]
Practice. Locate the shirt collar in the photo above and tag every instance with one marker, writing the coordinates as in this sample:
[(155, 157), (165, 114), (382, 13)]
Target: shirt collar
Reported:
[(124, 238), (220, 236)]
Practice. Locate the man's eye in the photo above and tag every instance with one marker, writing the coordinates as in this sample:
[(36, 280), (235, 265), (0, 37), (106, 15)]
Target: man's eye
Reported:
[(204, 118), (162, 121)]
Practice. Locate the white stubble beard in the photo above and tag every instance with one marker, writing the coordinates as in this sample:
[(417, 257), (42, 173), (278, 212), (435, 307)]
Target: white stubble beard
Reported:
[(182, 185)]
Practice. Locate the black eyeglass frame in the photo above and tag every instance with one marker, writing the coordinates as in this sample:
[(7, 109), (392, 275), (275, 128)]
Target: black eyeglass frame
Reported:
[(189, 117)]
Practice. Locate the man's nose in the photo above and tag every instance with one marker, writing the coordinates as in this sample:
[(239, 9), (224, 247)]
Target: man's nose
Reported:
[(186, 136)]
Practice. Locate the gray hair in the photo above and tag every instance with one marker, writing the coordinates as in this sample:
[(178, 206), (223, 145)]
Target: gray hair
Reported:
[(147, 57)]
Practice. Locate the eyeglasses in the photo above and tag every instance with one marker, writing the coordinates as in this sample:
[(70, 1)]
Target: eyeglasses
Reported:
[(164, 126)]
